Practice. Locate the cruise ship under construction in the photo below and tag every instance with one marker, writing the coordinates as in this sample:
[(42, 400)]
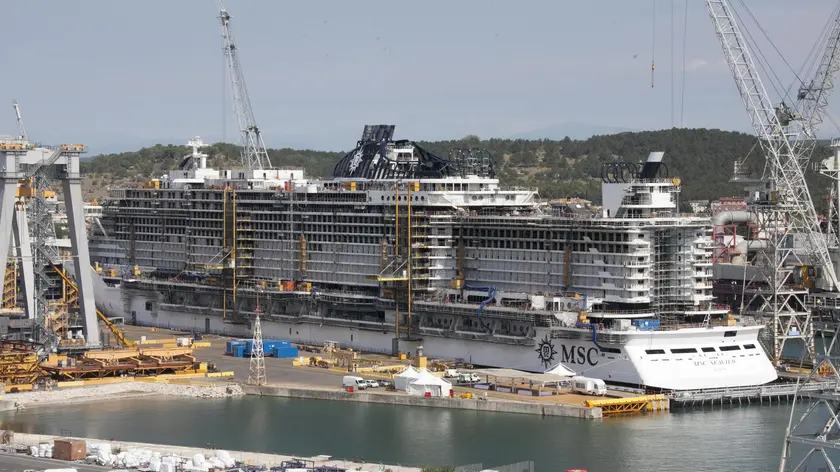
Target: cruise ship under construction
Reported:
[(402, 248)]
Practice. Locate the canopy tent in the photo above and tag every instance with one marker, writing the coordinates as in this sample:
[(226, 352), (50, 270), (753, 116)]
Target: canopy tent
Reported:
[(561, 370), (405, 377), (429, 383)]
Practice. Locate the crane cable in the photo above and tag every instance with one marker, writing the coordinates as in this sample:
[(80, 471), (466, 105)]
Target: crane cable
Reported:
[(653, 46), (672, 62), (682, 85)]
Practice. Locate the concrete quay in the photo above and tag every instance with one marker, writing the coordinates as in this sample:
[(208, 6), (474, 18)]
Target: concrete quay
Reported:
[(489, 405), (251, 458)]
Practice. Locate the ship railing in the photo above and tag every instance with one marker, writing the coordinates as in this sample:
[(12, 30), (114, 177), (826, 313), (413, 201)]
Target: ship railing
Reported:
[(641, 312), (464, 309)]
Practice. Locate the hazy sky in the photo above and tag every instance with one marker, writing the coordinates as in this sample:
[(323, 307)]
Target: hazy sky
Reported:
[(118, 73)]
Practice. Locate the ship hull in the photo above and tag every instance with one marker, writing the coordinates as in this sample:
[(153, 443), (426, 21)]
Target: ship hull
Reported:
[(645, 359)]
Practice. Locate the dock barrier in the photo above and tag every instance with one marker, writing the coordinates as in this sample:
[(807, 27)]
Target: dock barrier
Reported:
[(764, 394), (629, 405)]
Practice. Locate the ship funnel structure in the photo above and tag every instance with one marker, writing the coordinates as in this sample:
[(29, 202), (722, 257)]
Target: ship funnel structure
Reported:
[(652, 165)]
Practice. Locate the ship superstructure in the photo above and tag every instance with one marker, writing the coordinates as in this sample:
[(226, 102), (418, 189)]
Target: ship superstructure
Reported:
[(402, 248)]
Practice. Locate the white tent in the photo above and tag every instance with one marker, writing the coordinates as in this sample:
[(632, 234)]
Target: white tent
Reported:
[(405, 377), (429, 383), (561, 370)]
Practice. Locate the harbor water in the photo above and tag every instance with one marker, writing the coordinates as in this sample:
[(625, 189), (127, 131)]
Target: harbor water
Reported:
[(742, 439)]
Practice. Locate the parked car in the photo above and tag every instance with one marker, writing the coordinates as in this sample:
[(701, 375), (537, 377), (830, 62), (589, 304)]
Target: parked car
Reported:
[(386, 384), (372, 383)]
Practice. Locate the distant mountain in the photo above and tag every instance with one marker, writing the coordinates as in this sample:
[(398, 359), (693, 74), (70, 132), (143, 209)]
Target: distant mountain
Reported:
[(572, 129)]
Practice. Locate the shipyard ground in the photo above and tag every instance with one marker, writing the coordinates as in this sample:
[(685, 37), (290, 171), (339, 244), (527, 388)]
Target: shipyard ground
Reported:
[(310, 382), (288, 380), (282, 372), (18, 462)]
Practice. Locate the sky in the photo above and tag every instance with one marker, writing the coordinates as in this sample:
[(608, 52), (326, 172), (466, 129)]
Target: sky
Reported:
[(118, 75)]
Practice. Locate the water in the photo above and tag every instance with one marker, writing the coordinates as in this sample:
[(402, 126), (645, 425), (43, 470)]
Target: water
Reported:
[(738, 439)]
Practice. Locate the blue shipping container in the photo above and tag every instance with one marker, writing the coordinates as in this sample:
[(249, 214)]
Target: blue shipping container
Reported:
[(239, 351), (231, 345), (285, 352)]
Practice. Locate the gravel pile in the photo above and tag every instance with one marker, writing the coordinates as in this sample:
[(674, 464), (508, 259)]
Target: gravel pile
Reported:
[(69, 394)]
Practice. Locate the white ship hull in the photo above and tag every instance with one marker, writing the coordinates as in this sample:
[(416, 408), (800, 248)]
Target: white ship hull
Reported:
[(645, 358)]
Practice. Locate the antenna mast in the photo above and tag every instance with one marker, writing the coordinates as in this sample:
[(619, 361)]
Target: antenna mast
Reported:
[(253, 153)]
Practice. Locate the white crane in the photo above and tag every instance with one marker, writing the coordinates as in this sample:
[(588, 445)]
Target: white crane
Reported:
[(812, 98), (792, 210), (253, 153), (19, 121), (770, 125)]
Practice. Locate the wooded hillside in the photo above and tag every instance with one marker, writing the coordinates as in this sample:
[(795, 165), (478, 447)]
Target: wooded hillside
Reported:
[(702, 158)]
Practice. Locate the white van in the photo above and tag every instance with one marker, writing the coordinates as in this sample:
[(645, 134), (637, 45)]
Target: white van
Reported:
[(589, 386), (468, 378), (355, 382)]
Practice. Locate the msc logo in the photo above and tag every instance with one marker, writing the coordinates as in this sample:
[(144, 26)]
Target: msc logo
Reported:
[(568, 354), (579, 355), (546, 352)]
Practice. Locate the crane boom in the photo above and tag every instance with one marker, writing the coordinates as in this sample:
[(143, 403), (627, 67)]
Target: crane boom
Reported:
[(770, 126), (813, 97), (19, 119), (253, 154)]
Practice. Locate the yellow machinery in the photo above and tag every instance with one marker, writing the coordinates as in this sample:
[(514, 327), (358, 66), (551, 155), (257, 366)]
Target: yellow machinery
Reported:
[(806, 276), (19, 363), (114, 329)]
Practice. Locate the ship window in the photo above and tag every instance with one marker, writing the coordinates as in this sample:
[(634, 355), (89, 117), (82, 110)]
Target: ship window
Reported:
[(729, 334), (749, 346), (707, 349), (730, 348), (684, 350), (655, 351), (610, 350)]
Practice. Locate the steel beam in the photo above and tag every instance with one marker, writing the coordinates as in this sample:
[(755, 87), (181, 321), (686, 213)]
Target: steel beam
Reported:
[(24, 253), (72, 187), (8, 190)]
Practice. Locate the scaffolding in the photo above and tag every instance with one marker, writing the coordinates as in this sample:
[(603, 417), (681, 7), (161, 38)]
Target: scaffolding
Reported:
[(10, 286), (777, 292)]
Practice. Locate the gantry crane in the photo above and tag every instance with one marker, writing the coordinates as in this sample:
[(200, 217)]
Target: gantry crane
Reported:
[(253, 153), (24, 178)]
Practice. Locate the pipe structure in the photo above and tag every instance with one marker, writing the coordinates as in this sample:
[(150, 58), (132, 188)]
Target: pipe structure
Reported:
[(747, 246), (734, 217)]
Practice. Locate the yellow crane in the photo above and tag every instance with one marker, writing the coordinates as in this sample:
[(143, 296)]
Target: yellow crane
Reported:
[(114, 329)]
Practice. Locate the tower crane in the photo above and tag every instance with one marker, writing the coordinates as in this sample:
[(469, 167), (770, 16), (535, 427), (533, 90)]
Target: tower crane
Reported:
[(812, 101), (812, 97), (792, 210), (786, 211), (786, 173), (253, 152)]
